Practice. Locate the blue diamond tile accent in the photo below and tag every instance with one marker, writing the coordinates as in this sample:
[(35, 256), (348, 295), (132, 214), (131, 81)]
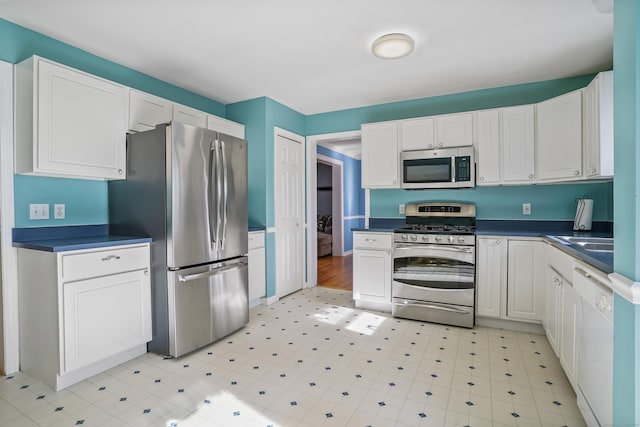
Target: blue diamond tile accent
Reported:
[(515, 415), (146, 411), (428, 393), (422, 415), (180, 390), (511, 392), (40, 397), (236, 413), (328, 415), (555, 402), (261, 392), (79, 422), (381, 404), (469, 403), (294, 403), (136, 372), (345, 393), (123, 399), (59, 408), (23, 387), (157, 381), (102, 388)]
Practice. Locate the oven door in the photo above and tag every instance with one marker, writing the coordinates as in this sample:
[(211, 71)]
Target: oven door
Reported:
[(434, 283)]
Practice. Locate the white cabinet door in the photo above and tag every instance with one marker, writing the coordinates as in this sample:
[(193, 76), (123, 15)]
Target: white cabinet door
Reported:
[(105, 316), (568, 323), (190, 116), (380, 155), (417, 134), (598, 126), (517, 162), (257, 269), (489, 148), (225, 126), (551, 322), (146, 111), (77, 122), (525, 280), (454, 130), (491, 276), (559, 137), (372, 275)]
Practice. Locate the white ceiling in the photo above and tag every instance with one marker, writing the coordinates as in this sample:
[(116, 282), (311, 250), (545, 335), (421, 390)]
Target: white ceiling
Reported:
[(314, 56)]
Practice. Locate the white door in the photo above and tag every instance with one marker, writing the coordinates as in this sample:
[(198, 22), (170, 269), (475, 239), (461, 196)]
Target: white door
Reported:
[(289, 181), (491, 277)]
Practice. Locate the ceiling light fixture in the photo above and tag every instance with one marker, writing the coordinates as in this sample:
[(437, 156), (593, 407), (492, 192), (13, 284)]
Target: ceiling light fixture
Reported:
[(392, 46)]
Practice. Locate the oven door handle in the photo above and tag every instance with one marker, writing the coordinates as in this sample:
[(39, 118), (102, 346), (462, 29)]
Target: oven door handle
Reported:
[(402, 247), (435, 307)]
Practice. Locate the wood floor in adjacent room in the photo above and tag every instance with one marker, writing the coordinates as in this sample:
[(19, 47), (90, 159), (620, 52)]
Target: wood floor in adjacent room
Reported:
[(336, 272)]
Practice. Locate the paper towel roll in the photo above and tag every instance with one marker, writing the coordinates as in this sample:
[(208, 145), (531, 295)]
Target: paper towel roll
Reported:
[(584, 212)]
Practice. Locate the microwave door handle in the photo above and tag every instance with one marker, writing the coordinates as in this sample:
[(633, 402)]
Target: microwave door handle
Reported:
[(453, 168)]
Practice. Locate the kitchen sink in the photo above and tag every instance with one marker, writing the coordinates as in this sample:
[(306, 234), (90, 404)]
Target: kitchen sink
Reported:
[(591, 244), (587, 240)]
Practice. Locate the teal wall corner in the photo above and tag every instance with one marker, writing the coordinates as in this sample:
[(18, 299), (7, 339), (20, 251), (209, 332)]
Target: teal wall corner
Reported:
[(252, 113), (270, 250), (626, 98)]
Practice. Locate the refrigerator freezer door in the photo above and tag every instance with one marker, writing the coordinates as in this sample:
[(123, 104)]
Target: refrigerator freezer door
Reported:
[(207, 303)]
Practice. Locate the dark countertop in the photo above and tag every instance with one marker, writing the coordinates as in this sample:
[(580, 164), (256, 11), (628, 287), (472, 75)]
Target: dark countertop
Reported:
[(71, 238), (257, 228)]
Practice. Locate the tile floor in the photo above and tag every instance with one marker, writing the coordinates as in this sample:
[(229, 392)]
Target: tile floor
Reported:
[(312, 359)]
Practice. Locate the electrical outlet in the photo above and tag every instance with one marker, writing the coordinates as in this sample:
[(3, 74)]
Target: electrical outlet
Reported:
[(38, 211), (58, 211), (526, 209), (401, 208)]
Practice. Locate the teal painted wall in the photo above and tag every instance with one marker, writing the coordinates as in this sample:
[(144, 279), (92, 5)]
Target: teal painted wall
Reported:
[(548, 202), (346, 120), (260, 116), (626, 337), (85, 201)]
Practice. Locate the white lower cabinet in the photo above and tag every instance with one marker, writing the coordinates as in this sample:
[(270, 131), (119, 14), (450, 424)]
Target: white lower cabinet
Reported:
[(568, 325), (509, 283), (82, 312), (491, 276), (525, 280), (562, 310), (257, 269), (372, 270)]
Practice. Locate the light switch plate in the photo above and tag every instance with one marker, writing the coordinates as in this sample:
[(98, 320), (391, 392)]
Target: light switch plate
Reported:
[(526, 209), (39, 211), (401, 208)]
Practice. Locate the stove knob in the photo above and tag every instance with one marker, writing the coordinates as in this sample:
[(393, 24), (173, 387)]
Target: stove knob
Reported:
[(425, 238), (405, 237), (414, 237), (450, 239), (438, 239), (460, 239)]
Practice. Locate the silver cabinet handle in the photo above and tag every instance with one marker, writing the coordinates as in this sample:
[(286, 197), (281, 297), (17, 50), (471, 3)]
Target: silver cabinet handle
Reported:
[(576, 173), (146, 272), (441, 144), (110, 257), (482, 178), (120, 171), (370, 240), (593, 170), (531, 176), (498, 242), (434, 307)]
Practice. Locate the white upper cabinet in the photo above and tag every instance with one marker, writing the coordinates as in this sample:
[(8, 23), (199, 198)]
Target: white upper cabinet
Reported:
[(518, 160), (190, 116), (68, 123), (225, 126), (559, 137), (417, 134), (489, 149), (146, 111), (454, 130), (598, 126), (380, 155)]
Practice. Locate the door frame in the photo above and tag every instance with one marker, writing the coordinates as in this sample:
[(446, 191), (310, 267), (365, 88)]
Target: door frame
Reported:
[(312, 198), (279, 132), (10, 331), (337, 205)]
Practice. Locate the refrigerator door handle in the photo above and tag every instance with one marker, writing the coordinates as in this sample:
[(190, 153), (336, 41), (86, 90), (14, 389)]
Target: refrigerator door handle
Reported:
[(213, 160), (225, 194), (210, 273), (219, 196)]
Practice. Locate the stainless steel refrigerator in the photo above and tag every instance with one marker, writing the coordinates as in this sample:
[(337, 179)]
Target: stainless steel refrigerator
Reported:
[(186, 188)]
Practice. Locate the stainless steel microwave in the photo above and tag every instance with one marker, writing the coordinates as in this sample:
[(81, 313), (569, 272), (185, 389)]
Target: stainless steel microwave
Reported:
[(446, 168)]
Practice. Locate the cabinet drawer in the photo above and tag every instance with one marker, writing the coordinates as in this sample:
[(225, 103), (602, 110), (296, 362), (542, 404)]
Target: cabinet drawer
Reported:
[(256, 239), (101, 263), (372, 240)]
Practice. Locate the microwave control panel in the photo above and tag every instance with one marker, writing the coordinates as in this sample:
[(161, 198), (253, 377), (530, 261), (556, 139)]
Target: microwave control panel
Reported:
[(463, 168)]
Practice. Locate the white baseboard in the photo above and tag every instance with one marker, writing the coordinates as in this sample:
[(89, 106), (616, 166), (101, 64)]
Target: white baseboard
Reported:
[(269, 300), (510, 325)]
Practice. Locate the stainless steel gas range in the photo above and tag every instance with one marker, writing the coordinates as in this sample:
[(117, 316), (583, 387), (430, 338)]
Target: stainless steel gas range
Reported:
[(434, 264)]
